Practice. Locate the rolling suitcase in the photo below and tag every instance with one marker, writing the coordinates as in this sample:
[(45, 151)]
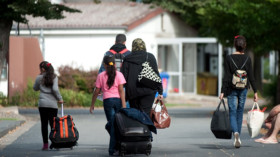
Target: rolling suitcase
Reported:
[(64, 134), (133, 137)]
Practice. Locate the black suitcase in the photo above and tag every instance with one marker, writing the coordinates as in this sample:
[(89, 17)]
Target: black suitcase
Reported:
[(64, 134), (132, 136)]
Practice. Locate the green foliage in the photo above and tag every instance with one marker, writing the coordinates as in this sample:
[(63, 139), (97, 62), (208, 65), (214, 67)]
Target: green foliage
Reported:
[(72, 98), (77, 79), (270, 90), (28, 97), (15, 10), (3, 99)]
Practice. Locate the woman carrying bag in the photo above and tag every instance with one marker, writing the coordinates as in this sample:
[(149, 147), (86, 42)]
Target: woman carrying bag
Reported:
[(237, 79), (140, 95)]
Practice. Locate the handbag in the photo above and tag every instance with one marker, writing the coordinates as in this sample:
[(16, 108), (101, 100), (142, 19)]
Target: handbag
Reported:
[(148, 77), (255, 120), (159, 115), (220, 123)]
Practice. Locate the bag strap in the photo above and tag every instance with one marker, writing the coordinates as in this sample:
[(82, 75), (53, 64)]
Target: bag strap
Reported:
[(236, 65), (222, 101), (255, 104), (121, 52)]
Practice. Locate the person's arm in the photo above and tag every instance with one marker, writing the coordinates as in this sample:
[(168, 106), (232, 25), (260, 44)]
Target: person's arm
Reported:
[(121, 92), (55, 91), (94, 96), (252, 80), (153, 63), (36, 85), (124, 70), (226, 79)]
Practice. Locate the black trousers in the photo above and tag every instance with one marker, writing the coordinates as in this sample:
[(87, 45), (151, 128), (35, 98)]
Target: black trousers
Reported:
[(143, 103), (46, 115)]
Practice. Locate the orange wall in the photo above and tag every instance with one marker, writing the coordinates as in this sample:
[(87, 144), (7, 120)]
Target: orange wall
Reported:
[(24, 59)]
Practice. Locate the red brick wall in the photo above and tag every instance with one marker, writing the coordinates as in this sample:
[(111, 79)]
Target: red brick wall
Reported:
[(24, 59)]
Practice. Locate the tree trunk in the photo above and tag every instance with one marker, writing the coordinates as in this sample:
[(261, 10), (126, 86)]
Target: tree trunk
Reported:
[(278, 81), (257, 72), (5, 28)]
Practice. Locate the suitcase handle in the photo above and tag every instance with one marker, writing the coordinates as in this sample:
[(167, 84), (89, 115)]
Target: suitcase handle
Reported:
[(62, 113)]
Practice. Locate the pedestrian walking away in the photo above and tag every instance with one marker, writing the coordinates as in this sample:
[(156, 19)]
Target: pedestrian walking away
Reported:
[(118, 50), (111, 83), (272, 122), (237, 80), (139, 95), (47, 83)]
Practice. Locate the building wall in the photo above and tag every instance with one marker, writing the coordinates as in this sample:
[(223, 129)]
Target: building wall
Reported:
[(24, 59)]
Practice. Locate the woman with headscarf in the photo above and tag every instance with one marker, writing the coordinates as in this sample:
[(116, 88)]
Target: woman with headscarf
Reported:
[(139, 96)]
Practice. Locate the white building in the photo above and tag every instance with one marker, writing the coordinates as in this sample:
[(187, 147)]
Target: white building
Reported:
[(81, 39)]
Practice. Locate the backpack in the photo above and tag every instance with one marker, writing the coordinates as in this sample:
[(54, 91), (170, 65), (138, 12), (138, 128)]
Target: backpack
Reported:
[(239, 78), (118, 58)]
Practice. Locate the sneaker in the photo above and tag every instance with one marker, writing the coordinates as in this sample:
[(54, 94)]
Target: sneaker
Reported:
[(45, 146), (237, 141)]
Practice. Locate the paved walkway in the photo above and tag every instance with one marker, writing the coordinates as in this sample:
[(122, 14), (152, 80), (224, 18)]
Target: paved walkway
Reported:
[(10, 119)]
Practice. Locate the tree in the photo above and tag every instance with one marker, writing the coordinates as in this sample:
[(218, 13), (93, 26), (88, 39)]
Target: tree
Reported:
[(257, 20), (16, 10)]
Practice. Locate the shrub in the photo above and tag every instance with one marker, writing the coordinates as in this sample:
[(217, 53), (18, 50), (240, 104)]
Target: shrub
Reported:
[(270, 90), (77, 79), (3, 99), (28, 97), (73, 98)]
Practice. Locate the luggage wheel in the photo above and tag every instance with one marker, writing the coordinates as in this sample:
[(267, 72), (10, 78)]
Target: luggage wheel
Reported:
[(148, 154), (121, 154)]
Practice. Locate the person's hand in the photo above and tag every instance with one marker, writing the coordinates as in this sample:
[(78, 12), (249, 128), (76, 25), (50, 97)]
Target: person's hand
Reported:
[(256, 98), (159, 97), (91, 109), (221, 96), (60, 101)]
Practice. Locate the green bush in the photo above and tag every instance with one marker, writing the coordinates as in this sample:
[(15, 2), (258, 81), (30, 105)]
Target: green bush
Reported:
[(28, 97), (77, 79), (3, 99), (72, 98), (270, 90)]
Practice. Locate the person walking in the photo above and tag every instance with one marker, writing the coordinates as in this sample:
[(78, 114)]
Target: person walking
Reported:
[(139, 96), (272, 122), (119, 50), (47, 83), (110, 82), (236, 95)]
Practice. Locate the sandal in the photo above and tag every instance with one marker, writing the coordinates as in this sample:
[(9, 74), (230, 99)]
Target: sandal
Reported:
[(259, 140), (269, 142)]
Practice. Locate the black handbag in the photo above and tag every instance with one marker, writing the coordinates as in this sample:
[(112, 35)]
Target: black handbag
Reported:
[(220, 123), (148, 77)]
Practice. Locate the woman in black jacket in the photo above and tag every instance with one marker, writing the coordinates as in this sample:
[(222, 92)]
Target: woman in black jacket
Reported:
[(236, 95), (139, 96)]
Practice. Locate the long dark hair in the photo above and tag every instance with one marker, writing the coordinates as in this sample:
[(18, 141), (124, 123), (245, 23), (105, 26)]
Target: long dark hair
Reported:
[(109, 61), (49, 74), (240, 43)]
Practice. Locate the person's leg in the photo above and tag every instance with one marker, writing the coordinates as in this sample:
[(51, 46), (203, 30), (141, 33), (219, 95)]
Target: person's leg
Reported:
[(270, 126), (112, 144), (240, 108), (44, 126), (232, 100), (146, 103), (272, 139), (51, 114)]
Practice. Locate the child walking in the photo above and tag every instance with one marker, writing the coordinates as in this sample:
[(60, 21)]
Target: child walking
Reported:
[(111, 83), (47, 83)]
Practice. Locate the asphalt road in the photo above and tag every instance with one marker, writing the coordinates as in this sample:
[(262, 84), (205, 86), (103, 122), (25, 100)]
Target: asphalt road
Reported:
[(188, 136)]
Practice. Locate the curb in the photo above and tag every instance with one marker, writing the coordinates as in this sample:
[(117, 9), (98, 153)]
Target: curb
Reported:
[(9, 125)]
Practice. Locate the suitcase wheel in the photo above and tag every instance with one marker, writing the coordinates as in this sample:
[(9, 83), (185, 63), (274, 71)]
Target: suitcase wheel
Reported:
[(121, 154), (148, 154)]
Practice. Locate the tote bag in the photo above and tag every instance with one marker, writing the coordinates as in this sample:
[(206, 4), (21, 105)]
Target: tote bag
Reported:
[(220, 124), (255, 120), (159, 115)]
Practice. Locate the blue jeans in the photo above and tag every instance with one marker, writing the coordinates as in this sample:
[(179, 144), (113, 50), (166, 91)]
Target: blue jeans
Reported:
[(111, 106), (236, 101)]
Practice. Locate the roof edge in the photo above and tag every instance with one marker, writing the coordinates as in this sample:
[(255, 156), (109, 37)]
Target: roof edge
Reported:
[(144, 19)]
